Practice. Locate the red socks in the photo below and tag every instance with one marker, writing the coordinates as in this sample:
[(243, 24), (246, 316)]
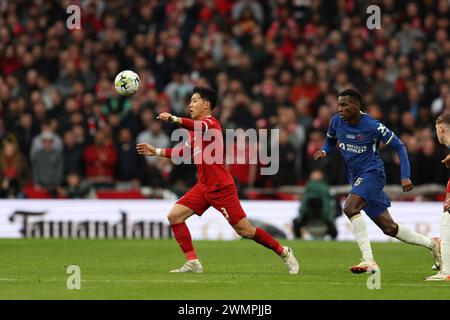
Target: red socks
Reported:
[(183, 237), (262, 237)]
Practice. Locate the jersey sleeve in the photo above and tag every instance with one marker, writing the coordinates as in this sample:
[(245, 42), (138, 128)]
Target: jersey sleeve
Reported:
[(331, 138), (392, 141), (383, 133), (331, 132), (200, 125)]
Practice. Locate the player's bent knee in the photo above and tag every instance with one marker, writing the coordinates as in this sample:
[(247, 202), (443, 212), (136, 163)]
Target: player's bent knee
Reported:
[(390, 230), (350, 210), (244, 232), (174, 218)]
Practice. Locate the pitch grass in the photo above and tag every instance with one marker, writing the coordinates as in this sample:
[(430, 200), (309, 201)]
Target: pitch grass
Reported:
[(138, 269)]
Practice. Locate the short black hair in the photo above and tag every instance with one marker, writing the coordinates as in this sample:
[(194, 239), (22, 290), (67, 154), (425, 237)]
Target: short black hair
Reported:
[(206, 94), (352, 93)]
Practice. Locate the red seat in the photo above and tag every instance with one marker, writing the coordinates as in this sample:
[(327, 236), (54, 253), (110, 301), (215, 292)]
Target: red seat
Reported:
[(114, 194)]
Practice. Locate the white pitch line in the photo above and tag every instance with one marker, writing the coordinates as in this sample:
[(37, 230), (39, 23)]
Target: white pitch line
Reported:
[(120, 280), (343, 284)]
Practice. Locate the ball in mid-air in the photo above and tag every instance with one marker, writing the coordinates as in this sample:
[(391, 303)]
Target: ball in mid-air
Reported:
[(127, 82)]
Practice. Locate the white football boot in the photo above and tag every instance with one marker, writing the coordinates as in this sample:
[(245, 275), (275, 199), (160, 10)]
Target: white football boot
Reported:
[(440, 276), (290, 261), (193, 266), (365, 267)]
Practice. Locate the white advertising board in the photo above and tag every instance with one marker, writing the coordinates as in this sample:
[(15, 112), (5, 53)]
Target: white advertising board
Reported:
[(47, 217)]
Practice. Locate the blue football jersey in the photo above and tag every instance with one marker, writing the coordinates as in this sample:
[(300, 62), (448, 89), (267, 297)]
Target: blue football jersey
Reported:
[(359, 145)]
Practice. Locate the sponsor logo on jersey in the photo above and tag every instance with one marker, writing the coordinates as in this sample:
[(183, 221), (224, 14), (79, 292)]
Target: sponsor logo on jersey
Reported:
[(352, 148)]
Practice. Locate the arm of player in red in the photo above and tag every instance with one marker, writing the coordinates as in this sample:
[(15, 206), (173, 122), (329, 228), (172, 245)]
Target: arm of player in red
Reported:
[(196, 125), (177, 152)]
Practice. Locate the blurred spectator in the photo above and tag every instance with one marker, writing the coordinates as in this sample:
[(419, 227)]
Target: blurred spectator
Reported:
[(306, 88), (253, 7), (296, 135), (74, 187), (100, 159), (177, 90), (47, 165), (244, 165), (257, 54), (25, 131), (13, 171), (155, 136), (6, 134), (130, 166), (286, 162), (132, 120), (317, 208), (47, 129), (72, 153), (427, 169)]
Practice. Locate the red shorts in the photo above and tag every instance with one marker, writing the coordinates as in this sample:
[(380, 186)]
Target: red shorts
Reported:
[(448, 186), (225, 200)]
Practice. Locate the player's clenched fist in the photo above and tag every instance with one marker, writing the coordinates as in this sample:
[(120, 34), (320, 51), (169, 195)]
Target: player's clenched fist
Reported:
[(165, 116), (407, 185), (319, 155), (146, 149)]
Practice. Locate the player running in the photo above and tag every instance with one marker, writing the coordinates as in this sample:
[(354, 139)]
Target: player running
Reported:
[(443, 134), (215, 186), (358, 136)]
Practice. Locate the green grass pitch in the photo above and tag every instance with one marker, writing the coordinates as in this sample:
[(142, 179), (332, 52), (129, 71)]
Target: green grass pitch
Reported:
[(234, 270)]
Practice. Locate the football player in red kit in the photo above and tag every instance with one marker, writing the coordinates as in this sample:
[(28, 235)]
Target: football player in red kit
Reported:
[(215, 186)]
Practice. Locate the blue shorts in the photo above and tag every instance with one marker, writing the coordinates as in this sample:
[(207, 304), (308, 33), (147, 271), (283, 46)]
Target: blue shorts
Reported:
[(370, 186)]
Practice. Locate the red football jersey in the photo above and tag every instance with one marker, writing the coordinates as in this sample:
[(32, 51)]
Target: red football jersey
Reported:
[(206, 147)]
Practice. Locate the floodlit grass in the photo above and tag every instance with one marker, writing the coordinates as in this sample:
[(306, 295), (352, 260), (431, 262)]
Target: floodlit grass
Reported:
[(233, 270)]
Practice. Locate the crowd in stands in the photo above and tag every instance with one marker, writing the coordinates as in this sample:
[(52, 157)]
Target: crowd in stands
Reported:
[(275, 64)]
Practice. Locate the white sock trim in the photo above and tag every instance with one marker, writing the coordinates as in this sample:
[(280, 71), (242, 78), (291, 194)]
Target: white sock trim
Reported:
[(362, 236)]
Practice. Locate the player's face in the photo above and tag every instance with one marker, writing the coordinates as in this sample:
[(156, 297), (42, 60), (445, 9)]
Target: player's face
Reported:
[(440, 130), (197, 106), (347, 107)]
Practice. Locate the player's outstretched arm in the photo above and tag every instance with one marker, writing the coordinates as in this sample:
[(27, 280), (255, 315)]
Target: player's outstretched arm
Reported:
[(395, 143), (189, 124), (149, 150), (168, 117), (145, 149)]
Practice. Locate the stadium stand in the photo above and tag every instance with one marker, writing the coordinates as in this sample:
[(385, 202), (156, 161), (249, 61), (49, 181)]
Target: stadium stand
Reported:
[(260, 56)]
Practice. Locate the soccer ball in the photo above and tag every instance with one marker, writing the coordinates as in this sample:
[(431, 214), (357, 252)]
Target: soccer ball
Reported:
[(127, 82)]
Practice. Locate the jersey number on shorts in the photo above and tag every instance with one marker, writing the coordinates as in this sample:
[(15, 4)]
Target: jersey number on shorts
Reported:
[(225, 213)]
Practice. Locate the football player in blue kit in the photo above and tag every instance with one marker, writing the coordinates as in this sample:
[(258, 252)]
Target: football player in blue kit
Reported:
[(358, 137)]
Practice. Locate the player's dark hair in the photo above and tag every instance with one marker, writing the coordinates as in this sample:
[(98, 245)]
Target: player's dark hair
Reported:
[(352, 93), (206, 94), (443, 118)]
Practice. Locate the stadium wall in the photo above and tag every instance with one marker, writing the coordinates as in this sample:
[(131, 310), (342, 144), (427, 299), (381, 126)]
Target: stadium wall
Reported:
[(147, 219)]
